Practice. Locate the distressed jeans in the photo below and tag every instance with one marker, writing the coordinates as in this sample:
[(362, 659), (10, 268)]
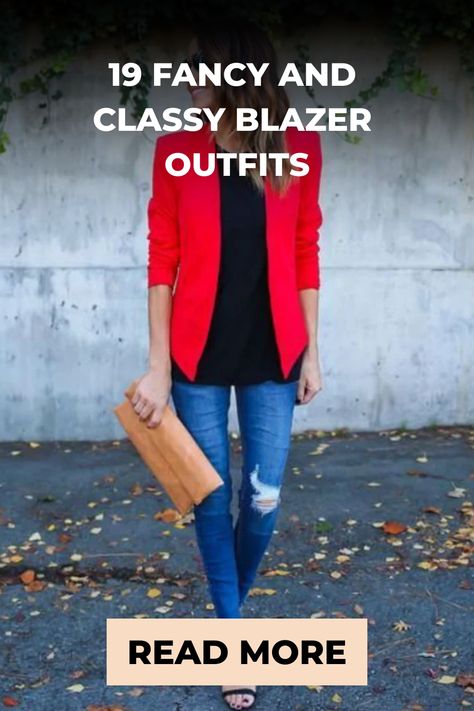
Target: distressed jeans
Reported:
[(231, 555)]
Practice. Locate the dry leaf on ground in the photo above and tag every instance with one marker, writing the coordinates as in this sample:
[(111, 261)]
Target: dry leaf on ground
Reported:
[(168, 516), (465, 680), (254, 592), (27, 577), (393, 528), (401, 626)]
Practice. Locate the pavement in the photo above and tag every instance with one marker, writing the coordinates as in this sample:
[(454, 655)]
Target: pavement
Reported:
[(373, 525)]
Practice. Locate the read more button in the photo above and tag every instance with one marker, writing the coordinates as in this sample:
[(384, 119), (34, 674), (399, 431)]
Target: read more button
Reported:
[(283, 652), (214, 651)]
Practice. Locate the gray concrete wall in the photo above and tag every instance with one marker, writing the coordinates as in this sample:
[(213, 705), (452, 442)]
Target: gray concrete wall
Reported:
[(397, 250)]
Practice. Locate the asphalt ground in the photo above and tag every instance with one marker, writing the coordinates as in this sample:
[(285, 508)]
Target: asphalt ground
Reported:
[(80, 541)]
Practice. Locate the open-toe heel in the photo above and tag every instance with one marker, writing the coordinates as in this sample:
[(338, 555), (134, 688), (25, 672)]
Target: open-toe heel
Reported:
[(243, 691)]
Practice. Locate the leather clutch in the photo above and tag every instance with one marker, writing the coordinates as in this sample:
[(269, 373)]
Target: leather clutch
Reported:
[(171, 453)]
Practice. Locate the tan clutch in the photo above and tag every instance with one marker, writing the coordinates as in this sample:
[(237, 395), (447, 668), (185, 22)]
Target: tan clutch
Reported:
[(171, 453)]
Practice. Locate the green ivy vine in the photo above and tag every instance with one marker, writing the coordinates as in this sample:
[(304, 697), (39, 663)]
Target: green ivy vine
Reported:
[(39, 41)]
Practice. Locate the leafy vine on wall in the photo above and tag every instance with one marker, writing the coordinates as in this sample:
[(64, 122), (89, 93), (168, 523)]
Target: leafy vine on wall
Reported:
[(59, 31)]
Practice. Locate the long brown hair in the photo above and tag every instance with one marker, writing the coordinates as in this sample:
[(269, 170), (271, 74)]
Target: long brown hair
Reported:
[(245, 42)]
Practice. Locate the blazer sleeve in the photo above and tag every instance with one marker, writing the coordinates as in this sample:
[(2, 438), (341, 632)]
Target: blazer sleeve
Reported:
[(309, 219), (163, 233)]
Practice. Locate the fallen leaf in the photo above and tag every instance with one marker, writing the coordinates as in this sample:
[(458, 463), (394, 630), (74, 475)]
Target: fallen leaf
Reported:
[(76, 688), (457, 493), (136, 693), (319, 449), (393, 528), (400, 626), (10, 702), (153, 592), (445, 679), (27, 577), (465, 680), (427, 565), (168, 516), (336, 698), (35, 586), (254, 592)]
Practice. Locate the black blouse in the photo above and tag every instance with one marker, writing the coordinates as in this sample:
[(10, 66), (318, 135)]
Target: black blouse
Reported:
[(241, 348)]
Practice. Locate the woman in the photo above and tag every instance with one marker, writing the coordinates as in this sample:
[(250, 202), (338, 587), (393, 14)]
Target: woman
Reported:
[(241, 310)]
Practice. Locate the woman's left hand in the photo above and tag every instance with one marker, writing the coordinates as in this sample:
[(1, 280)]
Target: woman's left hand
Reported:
[(310, 378)]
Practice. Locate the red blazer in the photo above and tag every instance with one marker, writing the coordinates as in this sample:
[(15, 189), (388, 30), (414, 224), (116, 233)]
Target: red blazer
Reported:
[(184, 231)]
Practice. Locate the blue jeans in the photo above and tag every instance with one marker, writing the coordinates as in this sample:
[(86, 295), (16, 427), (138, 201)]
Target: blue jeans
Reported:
[(231, 556)]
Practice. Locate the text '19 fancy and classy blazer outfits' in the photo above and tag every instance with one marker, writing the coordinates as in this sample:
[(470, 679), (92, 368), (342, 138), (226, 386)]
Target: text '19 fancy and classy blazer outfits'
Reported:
[(186, 250)]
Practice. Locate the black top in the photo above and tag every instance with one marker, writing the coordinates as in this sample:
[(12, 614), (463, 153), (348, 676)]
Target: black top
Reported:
[(241, 348)]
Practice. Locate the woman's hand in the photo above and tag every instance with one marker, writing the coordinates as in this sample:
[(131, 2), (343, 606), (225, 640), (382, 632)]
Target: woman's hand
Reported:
[(152, 394), (310, 378)]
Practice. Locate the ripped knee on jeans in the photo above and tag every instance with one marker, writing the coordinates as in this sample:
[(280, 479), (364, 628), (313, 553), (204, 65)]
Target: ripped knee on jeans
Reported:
[(266, 496)]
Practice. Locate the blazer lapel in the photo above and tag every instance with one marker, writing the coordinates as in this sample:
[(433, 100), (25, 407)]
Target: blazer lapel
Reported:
[(272, 209), (206, 196), (207, 235)]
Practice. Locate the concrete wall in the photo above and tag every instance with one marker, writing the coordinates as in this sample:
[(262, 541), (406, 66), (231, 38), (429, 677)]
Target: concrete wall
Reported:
[(397, 249)]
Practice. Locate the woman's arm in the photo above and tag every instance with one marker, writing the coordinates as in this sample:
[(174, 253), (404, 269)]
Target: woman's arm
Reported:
[(307, 269), (159, 314), (310, 378), (153, 390)]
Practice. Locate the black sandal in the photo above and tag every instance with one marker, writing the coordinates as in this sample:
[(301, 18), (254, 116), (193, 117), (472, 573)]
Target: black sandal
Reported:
[(244, 691)]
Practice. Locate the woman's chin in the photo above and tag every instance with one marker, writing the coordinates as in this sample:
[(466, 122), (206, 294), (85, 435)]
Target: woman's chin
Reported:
[(201, 100), (200, 105)]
